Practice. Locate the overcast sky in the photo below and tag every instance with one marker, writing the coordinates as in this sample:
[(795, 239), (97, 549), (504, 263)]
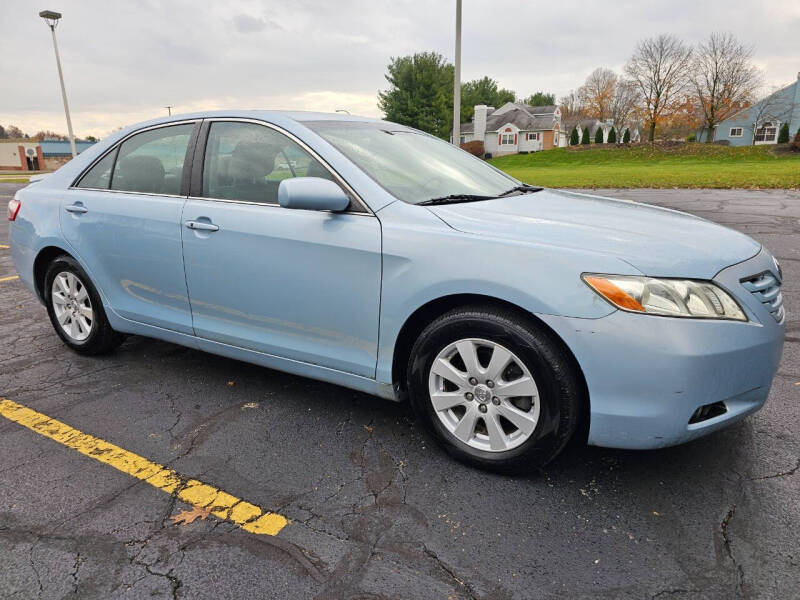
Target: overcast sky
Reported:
[(125, 60)]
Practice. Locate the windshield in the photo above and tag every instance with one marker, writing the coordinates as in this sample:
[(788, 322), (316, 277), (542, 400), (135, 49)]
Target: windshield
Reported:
[(412, 166)]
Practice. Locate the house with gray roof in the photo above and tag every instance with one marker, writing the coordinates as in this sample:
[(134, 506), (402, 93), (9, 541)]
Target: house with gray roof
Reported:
[(761, 123), (514, 128)]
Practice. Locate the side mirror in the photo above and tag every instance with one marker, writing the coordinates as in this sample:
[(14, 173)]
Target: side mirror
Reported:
[(312, 193)]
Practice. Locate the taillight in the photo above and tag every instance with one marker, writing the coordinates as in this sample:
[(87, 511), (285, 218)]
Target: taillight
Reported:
[(13, 209)]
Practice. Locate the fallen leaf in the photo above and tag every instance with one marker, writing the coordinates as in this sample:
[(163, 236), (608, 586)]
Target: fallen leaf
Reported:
[(250, 405), (189, 516), (368, 428), (231, 383), (656, 513)]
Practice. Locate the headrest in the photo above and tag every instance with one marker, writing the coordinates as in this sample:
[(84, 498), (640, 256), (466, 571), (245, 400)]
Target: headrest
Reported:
[(142, 173), (253, 159)]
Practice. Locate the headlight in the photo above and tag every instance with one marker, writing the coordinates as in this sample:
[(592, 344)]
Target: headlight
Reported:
[(669, 297)]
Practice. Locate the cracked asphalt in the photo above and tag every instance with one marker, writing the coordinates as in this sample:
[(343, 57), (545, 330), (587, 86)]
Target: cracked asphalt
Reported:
[(376, 509)]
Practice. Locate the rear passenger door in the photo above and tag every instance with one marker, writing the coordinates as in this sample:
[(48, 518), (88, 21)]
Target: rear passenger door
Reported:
[(123, 217), (298, 284)]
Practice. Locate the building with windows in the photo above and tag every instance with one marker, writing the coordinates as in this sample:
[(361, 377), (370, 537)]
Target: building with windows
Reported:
[(761, 123), (30, 155), (513, 128)]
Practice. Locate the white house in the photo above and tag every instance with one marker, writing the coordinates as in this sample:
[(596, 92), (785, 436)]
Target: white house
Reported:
[(514, 128)]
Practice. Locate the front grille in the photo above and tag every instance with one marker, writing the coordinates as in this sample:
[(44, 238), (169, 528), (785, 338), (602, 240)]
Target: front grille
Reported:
[(767, 289)]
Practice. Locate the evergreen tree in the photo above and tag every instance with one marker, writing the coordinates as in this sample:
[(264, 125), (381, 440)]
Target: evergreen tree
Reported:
[(598, 135), (482, 91), (420, 93), (574, 139), (783, 135), (540, 99), (585, 137), (626, 138), (612, 136)]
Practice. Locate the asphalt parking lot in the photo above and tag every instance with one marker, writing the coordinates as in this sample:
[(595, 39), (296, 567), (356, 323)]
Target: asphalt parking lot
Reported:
[(375, 510)]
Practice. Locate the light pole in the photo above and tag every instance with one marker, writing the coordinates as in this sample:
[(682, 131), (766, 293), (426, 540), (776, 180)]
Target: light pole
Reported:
[(169, 110), (457, 81), (51, 18)]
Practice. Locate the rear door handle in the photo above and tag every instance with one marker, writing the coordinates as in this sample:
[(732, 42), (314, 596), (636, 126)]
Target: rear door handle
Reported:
[(201, 226), (76, 208)]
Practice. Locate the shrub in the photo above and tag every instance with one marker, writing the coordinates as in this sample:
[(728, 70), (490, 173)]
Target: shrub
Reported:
[(573, 137), (612, 136), (692, 137), (626, 137), (598, 136), (783, 134), (585, 137), (474, 147), (796, 143)]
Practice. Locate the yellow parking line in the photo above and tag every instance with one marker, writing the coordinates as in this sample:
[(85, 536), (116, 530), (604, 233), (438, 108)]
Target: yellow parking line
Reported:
[(9, 278), (221, 504)]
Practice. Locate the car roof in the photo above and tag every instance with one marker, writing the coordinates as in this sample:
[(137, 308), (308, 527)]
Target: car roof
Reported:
[(294, 115)]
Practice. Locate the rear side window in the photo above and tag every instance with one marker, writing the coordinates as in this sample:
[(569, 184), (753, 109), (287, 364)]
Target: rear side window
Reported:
[(246, 161), (99, 176), (152, 161)]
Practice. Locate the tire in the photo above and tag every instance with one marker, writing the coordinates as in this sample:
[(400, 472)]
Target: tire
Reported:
[(75, 301), (551, 409)]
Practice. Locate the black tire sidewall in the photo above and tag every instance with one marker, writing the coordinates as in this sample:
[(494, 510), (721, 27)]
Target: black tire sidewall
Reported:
[(532, 348), (68, 264)]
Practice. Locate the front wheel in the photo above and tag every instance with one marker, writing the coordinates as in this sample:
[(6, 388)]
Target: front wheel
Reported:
[(75, 309), (497, 390)]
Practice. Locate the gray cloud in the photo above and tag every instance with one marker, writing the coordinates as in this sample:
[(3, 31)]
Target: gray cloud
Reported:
[(125, 61)]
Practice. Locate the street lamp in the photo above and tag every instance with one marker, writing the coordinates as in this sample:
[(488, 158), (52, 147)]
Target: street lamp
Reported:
[(51, 18), (457, 81)]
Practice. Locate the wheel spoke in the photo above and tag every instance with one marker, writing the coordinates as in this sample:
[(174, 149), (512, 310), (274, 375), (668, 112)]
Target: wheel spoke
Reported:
[(443, 368), (63, 285), (498, 363), (445, 400), (71, 283), (73, 328), (85, 326), (523, 386), (497, 437), (466, 426), (466, 349), (59, 299), (86, 312), (63, 317), (526, 422), (82, 295)]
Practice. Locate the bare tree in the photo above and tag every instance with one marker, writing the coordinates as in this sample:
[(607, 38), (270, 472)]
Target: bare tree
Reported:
[(597, 93), (723, 79), (659, 67), (624, 104), (571, 105)]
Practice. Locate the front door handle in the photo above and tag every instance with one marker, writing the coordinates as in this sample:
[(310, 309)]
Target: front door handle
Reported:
[(201, 226), (76, 208)]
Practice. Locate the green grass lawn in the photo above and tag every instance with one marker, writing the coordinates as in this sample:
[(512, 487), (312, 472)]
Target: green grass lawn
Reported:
[(692, 165)]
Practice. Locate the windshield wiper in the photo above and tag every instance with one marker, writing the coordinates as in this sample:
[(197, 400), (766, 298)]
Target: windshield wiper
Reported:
[(453, 198), (522, 188)]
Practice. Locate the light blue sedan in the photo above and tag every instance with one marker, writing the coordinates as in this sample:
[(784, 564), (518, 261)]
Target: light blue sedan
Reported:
[(374, 256)]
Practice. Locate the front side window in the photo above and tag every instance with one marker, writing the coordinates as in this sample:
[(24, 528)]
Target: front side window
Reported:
[(247, 161), (736, 132), (507, 139), (410, 165), (152, 162), (99, 176)]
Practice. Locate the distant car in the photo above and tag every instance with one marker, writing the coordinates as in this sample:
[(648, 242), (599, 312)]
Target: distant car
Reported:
[(511, 316)]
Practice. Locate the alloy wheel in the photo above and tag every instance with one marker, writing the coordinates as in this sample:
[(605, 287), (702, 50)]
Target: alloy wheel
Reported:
[(72, 306), (484, 395)]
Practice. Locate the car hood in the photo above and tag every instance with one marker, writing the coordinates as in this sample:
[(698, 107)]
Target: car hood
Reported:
[(657, 241)]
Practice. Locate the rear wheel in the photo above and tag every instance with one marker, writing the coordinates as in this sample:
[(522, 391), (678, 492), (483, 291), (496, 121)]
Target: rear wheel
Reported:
[(497, 389), (75, 309)]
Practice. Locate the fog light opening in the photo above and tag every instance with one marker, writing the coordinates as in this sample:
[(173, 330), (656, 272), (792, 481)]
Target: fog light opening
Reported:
[(708, 411)]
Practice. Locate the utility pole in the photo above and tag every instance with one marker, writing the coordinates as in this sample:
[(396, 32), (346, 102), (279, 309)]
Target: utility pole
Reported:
[(51, 18), (169, 110), (457, 81)]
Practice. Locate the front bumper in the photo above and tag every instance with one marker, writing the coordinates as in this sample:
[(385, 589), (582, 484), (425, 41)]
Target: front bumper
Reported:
[(647, 375)]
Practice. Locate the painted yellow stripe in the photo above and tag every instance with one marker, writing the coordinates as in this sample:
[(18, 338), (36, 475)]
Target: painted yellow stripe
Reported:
[(221, 504), (4, 247), (13, 277)]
